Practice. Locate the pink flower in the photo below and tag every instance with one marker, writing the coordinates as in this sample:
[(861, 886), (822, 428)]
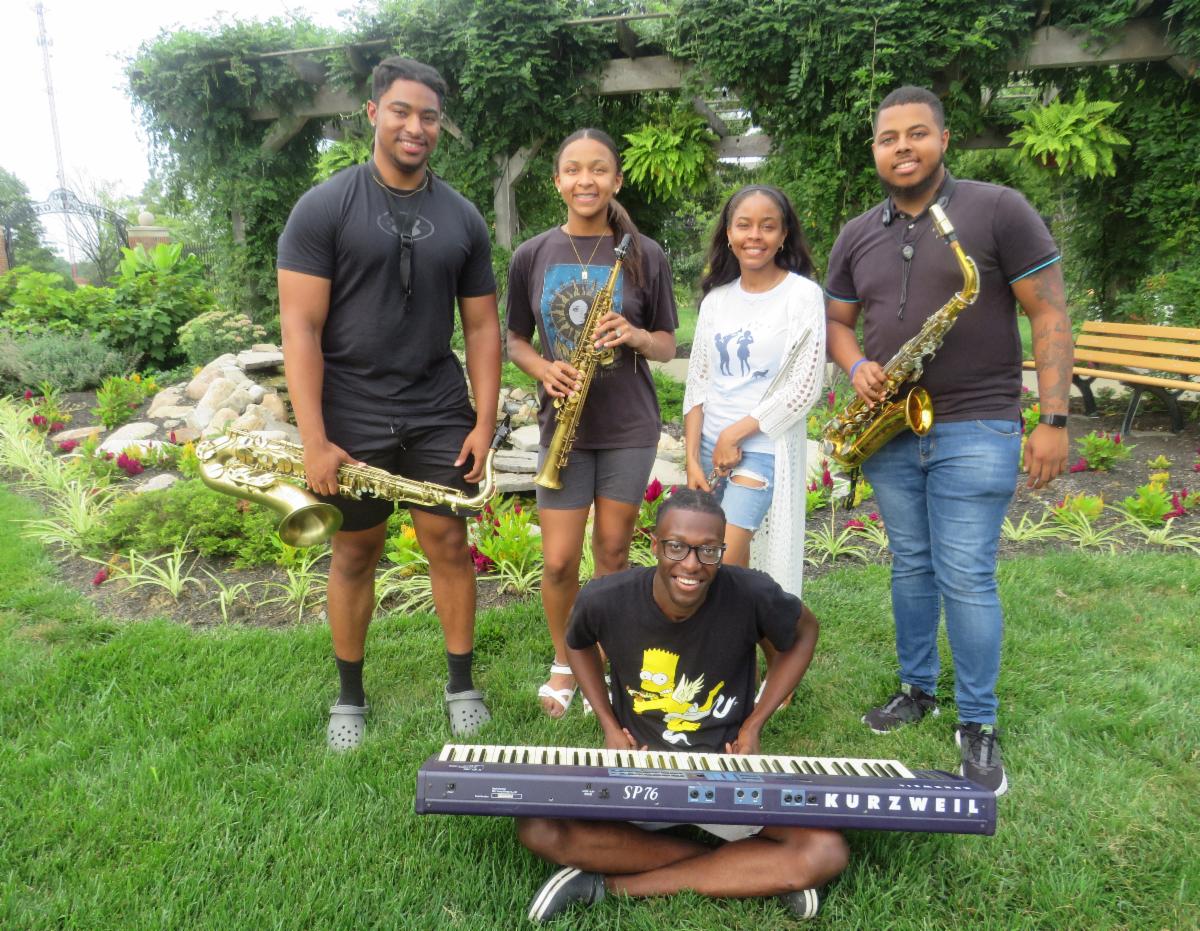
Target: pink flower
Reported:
[(1025, 390), (67, 445), (874, 517), (1080, 466), (131, 466), (1117, 439), (653, 491), (482, 563), (856, 524), (171, 437), (826, 478), (516, 509), (38, 420), (28, 395), (812, 486), (100, 577), (108, 457), (830, 399), (56, 426)]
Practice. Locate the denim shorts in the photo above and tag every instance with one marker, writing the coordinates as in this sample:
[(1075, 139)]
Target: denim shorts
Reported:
[(744, 506)]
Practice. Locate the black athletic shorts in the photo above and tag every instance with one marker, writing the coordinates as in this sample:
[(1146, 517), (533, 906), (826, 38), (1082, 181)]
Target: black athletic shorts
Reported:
[(420, 446)]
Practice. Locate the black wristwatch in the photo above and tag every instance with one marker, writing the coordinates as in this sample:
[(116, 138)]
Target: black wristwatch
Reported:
[(1053, 420)]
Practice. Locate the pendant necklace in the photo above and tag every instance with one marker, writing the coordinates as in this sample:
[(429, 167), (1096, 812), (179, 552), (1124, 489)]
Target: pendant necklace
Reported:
[(583, 265)]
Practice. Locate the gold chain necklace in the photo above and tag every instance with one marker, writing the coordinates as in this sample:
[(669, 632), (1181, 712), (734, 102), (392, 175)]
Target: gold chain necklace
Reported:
[(583, 265), (412, 193)]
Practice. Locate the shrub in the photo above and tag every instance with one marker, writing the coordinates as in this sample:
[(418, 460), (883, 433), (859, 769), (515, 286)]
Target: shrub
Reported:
[(217, 332), (117, 398), (1100, 451), (670, 397), (213, 524), (68, 361)]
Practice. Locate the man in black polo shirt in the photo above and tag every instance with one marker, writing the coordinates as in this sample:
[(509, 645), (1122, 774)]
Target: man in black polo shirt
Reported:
[(944, 496), (370, 266)]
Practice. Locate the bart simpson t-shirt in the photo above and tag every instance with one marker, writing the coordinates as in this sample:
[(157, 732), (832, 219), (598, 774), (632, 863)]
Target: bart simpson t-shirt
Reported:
[(683, 685)]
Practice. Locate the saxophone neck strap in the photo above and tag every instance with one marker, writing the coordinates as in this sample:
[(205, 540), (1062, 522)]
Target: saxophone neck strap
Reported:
[(945, 192)]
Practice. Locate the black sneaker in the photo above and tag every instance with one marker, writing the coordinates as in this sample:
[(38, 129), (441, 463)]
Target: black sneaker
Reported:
[(803, 904), (562, 890), (981, 760), (906, 706)]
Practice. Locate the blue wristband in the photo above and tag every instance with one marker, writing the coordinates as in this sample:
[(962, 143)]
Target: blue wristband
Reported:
[(855, 366)]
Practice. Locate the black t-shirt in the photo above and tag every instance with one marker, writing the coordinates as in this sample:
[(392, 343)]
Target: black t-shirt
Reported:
[(686, 684), (976, 374), (380, 353), (547, 287)]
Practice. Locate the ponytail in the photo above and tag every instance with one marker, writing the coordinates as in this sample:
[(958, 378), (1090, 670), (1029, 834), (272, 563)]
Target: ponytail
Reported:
[(621, 223)]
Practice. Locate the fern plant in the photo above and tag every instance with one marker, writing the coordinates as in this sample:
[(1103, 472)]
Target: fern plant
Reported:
[(1073, 137), (666, 160)]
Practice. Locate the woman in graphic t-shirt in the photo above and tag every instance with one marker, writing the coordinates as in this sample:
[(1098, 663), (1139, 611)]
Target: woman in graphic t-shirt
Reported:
[(552, 281), (745, 422)]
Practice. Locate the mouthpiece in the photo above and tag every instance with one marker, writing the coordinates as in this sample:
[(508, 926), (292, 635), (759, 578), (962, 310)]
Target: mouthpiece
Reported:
[(942, 223), (620, 251)]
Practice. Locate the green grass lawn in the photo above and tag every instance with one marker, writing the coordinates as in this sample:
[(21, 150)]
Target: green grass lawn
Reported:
[(152, 776)]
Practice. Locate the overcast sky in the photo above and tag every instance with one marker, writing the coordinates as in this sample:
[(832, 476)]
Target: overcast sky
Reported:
[(102, 140)]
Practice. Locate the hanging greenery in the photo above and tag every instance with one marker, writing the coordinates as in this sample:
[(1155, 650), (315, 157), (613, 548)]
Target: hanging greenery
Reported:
[(1071, 136)]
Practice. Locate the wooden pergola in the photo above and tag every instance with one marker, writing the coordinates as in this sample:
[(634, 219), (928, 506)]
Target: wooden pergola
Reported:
[(1050, 47)]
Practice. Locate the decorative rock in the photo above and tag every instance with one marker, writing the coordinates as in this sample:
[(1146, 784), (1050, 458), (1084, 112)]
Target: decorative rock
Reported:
[(525, 438), (116, 448), (264, 347), (251, 419), (518, 394), (512, 460), (158, 483), (508, 483), (199, 385), (238, 401), (219, 389), (237, 376), (256, 361), (171, 424), (130, 434), (273, 404), (281, 431), (78, 433), (185, 435), (220, 420), (181, 412), (669, 473), (668, 443), (200, 418), (168, 397), (256, 392)]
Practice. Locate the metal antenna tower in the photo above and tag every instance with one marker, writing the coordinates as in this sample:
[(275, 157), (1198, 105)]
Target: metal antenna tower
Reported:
[(44, 42)]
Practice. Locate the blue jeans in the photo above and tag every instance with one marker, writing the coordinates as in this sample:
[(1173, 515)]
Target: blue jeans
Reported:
[(943, 498)]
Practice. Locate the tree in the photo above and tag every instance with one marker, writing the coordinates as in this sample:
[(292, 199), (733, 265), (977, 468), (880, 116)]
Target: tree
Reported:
[(24, 229)]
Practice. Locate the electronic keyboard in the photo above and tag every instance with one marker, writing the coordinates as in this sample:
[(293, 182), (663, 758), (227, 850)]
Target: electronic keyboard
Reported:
[(700, 788)]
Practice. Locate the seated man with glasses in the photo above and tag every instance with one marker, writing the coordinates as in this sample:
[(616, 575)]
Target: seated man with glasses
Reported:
[(680, 639)]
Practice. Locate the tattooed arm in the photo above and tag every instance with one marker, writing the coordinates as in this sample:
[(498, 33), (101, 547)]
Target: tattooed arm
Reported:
[(1042, 296)]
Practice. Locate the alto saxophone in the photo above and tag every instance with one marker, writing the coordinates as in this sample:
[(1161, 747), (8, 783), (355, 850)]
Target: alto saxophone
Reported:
[(859, 431), (585, 360), (262, 470)]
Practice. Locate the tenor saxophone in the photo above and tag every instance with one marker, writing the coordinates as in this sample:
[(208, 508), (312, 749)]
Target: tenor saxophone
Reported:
[(859, 430), (265, 471), (586, 359)]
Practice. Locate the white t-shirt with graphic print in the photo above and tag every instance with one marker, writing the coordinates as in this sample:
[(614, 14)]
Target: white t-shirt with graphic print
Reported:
[(749, 336)]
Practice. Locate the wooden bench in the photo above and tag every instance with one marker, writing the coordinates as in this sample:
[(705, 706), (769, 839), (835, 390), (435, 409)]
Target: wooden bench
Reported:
[(1160, 360)]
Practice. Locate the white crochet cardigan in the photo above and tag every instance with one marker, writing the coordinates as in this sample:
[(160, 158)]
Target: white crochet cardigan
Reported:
[(778, 546)]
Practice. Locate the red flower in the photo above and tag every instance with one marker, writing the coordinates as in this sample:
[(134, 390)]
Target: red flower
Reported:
[(131, 466), (1117, 438), (1080, 466), (67, 445), (653, 491), (28, 395), (812, 486), (171, 437), (856, 524), (874, 517), (56, 426), (482, 563), (38, 420), (516, 509), (830, 399), (826, 478), (100, 577)]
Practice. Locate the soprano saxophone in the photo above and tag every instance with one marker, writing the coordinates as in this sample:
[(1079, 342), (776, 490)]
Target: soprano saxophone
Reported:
[(859, 431), (265, 471), (586, 359)]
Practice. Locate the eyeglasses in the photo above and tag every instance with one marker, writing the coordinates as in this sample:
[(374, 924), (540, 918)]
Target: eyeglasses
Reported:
[(708, 553)]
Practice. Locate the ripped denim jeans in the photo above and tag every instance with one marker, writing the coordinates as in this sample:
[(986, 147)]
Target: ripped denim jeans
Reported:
[(745, 494)]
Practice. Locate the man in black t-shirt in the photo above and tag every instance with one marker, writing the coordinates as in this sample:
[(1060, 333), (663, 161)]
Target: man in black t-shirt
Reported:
[(680, 640), (371, 264)]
